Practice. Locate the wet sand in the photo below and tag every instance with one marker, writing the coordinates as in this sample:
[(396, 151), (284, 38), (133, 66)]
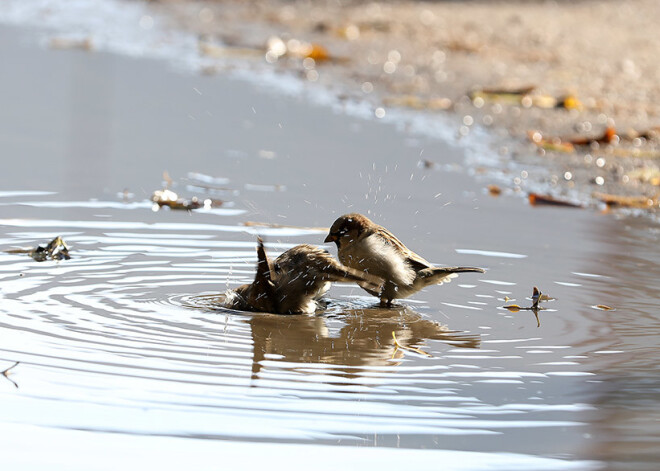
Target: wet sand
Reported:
[(114, 340), (429, 55)]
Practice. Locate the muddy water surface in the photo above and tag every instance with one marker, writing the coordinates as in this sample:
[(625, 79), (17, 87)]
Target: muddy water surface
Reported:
[(121, 347)]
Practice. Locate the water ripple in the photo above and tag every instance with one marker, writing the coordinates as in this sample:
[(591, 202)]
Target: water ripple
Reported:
[(135, 321)]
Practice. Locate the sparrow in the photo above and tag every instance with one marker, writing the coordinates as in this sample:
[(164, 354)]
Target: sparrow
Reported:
[(260, 294), (366, 246), (295, 281)]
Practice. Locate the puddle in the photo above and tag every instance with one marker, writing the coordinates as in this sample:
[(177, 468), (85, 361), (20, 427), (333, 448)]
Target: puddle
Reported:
[(122, 340)]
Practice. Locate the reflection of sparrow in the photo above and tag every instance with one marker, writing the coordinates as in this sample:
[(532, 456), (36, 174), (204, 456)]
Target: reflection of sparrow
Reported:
[(364, 245), (359, 337), (294, 281)]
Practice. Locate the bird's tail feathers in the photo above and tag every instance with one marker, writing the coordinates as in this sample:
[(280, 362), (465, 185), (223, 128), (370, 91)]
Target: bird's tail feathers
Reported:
[(438, 275)]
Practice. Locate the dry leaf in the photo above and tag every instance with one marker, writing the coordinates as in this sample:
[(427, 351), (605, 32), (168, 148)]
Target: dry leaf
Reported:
[(570, 102), (537, 199), (608, 136), (494, 190), (647, 175), (317, 52), (417, 103), (554, 144), (639, 202)]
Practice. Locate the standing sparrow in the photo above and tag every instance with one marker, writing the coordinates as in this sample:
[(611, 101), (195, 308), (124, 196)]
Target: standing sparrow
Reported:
[(366, 246), (294, 281)]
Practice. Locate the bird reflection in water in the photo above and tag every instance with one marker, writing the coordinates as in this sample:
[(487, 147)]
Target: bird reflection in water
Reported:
[(364, 340)]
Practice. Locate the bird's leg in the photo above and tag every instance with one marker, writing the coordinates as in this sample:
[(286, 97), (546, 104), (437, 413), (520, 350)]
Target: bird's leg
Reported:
[(387, 294)]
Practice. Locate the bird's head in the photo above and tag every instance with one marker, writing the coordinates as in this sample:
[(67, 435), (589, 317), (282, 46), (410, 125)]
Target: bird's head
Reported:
[(347, 228)]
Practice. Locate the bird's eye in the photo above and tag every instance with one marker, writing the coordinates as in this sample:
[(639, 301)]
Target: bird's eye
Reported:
[(277, 268)]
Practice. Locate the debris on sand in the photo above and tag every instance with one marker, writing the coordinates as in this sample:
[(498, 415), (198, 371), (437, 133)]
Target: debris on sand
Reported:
[(525, 97), (536, 199), (56, 249), (85, 44), (277, 47), (494, 190), (619, 201), (568, 144), (417, 103)]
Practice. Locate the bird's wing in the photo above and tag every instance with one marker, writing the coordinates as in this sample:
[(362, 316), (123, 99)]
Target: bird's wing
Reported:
[(414, 260)]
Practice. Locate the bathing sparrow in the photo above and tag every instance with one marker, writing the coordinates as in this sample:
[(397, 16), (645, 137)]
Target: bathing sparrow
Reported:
[(294, 282)]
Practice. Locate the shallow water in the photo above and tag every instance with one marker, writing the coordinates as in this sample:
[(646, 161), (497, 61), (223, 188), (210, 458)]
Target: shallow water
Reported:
[(124, 340)]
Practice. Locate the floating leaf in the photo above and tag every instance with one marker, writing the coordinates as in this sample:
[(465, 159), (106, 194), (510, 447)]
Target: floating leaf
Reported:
[(56, 249), (603, 307), (171, 200), (513, 308)]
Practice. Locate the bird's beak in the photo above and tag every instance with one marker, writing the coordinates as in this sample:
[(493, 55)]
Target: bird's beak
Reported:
[(331, 238)]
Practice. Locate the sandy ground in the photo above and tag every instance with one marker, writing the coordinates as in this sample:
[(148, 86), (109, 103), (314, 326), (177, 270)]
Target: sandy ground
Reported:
[(436, 55)]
